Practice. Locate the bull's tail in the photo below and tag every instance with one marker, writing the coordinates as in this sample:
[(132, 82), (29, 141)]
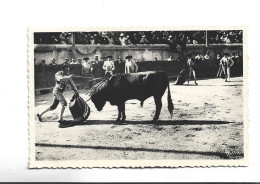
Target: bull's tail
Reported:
[(170, 104)]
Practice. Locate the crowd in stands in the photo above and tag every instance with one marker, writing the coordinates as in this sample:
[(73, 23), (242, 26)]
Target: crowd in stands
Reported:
[(140, 37), (235, 36)]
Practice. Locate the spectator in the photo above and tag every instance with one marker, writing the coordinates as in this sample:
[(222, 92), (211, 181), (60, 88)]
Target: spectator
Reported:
[(109, 66), (86, 64), (188, 40), (66, 61), (96, 39), (170, 58), (95, 59), (172, 43), (122, 39), (155, 59), (53, 62), (195, 41), (120, 60), (43, 63), (79, 61), (143, 40), (119, 65), (73, 62), (218, 58), (54, 40), (128, 41), (63, 38), (93, 65), (130, 65), (92, 40), (135, 39), (110, 40), (198, 56), (104, 39), (153, 37), (206, 56)]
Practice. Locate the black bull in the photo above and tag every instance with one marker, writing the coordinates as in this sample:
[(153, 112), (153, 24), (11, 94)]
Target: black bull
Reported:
[(122, 87)]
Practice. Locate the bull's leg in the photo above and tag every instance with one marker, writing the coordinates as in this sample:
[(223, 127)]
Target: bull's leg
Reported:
[(123, 111), (119, 113), (158, 104), (141, 103)]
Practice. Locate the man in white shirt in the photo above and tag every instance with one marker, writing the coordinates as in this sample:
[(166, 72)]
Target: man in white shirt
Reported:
[(130, 65), (109, 66), (122, 39), (226, 62)]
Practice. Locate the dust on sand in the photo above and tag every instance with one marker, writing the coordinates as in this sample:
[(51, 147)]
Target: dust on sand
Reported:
[(207, 123)]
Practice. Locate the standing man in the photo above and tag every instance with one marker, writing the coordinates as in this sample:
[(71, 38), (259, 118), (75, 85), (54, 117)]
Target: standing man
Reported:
[(119, 65), (130, 65), (66, 61), (191, 65), (109, 66), (93, 65), (79, 61), (53, 62), (226, 62), (62, 79), (85, 63)]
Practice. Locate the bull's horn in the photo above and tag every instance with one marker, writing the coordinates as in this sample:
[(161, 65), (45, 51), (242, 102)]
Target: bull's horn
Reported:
[(88, 97)]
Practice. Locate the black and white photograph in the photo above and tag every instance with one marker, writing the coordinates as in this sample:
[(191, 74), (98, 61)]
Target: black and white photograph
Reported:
[(138, 98)]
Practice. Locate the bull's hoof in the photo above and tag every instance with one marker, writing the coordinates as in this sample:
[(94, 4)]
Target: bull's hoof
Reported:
[(118, 119), (155, 119), (123, 119)]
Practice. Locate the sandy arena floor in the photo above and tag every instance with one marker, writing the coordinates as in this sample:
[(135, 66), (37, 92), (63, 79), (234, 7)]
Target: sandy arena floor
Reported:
[(207, 122)]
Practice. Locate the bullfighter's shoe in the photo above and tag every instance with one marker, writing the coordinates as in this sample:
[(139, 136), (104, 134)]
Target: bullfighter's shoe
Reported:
[(39, 117)]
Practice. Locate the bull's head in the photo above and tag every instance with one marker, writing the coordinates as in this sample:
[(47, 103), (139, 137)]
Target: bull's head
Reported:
[(98, 94), (99, 101)]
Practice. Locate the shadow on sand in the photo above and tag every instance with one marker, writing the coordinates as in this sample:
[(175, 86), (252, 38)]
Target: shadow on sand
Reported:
[(160, 122), (221, 155)]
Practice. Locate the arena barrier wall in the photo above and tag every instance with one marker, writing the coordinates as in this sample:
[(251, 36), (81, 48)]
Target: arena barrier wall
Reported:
[(139, 52), (45, 75)]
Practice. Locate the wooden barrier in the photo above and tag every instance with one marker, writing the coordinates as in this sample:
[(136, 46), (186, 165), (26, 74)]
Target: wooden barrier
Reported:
[(45, 76)]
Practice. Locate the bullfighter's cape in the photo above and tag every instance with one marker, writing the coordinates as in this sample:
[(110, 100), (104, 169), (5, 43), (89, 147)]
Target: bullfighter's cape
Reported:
[(79, 109)]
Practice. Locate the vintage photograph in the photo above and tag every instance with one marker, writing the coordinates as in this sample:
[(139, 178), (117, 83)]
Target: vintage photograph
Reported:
[(138, 98)]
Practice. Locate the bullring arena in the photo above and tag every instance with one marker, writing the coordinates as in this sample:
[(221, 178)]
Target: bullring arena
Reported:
[(207, 122)]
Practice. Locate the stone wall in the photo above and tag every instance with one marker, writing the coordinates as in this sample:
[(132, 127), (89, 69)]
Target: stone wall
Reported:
[(140, 52)]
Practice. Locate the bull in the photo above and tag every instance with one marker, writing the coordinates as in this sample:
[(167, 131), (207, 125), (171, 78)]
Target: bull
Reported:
[(122, 87)]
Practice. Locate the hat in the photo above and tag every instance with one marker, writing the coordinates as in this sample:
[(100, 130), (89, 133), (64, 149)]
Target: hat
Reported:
[(128, 57), (143, 36), (122, 34), (95, 56), (85, 58), (79, 59), (109, 57), (66, 59), (53, 59)]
